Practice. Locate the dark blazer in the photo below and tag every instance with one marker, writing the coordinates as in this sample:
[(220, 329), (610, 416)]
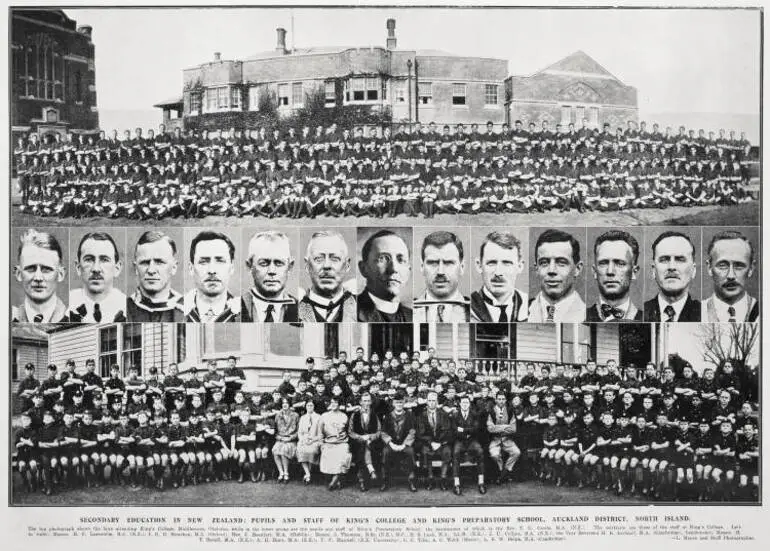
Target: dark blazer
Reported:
[(367, 311), (593, 315), (480, 312), (407, 433), (690, 312), (471, 426), (290, 311), (443, 432)]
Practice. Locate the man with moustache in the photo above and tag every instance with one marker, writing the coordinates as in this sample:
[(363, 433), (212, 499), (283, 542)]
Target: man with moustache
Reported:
[(499, 264), (557, 258), (270, 261), (673, 269), (98, 264), (327, 263), (616, 263), (442, 265), (155, 264), (730, 261), (40, 269), (386, 267), (211, 266)]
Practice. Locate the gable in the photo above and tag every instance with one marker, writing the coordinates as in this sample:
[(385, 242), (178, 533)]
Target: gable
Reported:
[(579, 91)]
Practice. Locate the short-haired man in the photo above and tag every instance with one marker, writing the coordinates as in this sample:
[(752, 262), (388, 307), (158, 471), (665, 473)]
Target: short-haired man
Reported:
[(211, 267), (673, 270), (386, 267), (501, 426), (730, 262), (155, 263), (40, 269), (499, 263), (98, 264), (399, 432), (327, 262), (557, 259), (442, 265), (615, 266), (270, 262)]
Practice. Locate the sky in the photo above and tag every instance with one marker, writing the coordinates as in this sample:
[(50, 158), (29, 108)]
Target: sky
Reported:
[(687, 340), (681, 61)]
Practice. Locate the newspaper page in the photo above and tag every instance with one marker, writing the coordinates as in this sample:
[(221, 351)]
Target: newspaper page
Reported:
[(449, 276)]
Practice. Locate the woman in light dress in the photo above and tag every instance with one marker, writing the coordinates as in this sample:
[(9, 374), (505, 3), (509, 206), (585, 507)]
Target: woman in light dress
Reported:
[(335, 452), (309, 443), (285, 447)]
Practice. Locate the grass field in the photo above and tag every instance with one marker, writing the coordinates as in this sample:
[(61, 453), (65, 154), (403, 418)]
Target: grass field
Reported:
[(296, 495), (746, 214)]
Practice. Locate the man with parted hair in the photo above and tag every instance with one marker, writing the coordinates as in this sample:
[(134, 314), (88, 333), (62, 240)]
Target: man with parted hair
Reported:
[(155, 263), (211, 266), (327, 262), (615, 266), (98, 264), (673, 270), (270, 262), (386, 267), (40, 269), (730, 262), (558, 264), (442, 266), (500, 262)]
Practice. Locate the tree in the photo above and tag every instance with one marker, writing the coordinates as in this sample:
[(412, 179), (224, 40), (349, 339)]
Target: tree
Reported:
[(728, 341)]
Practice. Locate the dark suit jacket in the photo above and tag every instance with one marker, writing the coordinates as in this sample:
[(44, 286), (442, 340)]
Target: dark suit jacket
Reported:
[(471, 426), (690, 312), (592, 315), (479, 310), (443, 432), (367, 311), (407, 433), (290, 311)]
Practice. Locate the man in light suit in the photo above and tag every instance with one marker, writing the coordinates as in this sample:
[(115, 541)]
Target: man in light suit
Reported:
[(673, 270), (442, 265), (616, 263), (557, 258), (730, 261), (327, 263)]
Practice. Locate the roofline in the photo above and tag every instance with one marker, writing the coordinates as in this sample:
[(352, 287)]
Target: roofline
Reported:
[(573, 53)]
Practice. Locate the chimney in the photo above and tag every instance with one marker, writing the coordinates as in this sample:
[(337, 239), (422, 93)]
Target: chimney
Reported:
[(281, 46), (391, 26), (217, 56), (85, 30)]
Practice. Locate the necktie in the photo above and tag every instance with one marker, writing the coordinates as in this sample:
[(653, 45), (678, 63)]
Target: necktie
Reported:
[(97, 312), (440, 312), (269, 313), (433, 420), (503, 314), (550, 310), (730, 312), (39, 318), (670, 312), (209, 316), (608, 310)]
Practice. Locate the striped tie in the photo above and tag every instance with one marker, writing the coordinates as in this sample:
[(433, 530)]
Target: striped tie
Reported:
[(731, 313)]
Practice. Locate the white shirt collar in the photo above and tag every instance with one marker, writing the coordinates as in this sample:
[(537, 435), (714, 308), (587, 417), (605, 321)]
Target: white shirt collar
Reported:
[(741, 308), (203, 304), (384, 306), (47, 309), (561, 306), (449, 316), (678, 306), (624, 306), (261, 306), (110, 305), (327, 314)]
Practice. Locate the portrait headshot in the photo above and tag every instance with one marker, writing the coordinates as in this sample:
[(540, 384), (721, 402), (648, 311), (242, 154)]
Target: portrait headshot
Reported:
[(154, 274), (40, 269), (445, 283), (328, 280), (673, 282), (98, 261), (614, 293), (385, 266), (730, 257), (213, 293), (500, 275), (558, 284), (270, 280)]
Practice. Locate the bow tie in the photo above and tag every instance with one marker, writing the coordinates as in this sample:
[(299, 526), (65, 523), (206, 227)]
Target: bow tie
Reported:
[(613, 311)]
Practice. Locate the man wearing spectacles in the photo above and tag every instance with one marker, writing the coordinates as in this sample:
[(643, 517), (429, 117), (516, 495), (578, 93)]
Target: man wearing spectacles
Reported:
[(730, 262), (327, 262)]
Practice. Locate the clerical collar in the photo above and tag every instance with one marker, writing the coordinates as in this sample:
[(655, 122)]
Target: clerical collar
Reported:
[(385, 306)]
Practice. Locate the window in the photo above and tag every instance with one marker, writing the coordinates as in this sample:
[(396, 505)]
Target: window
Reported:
[(211, 100), (181, 342), (493, 340), (593, 117), (283, 94), (490, 94), (580, 113), (424, 337), (221, 338), (330, 95), (297, 94), (108, 349), (331, 339), (425, 92), (15, 364), (196, 102), (372, 88), (254, 98), (78, 86), (223, 101), (358, 89), (132, 346), (399, 91), (575, 343), (285, 339), (458, 94), (566, 114), (235, 97)]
